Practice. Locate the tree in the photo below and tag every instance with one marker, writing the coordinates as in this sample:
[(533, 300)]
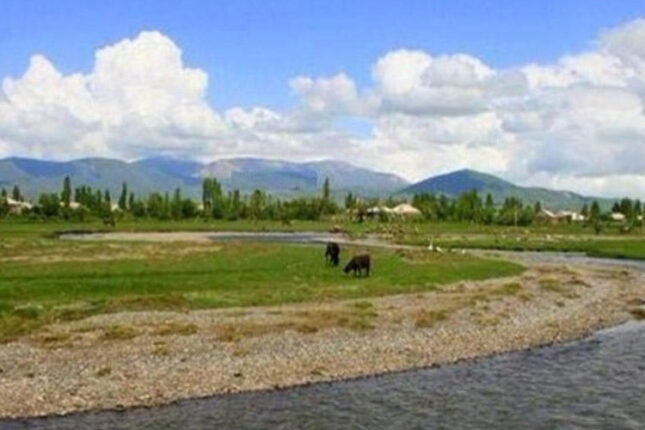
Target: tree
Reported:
[(626, 208), (218, 201), (176, 205), (468, 207), (537, 208), (155, 205), (489, 209), (350, 201), (4, 204), (326, 190), (66, 195), (234, 206), (212, 198), (49, 204), (594, 212), (514, 213), (3, 193), (257, 203), (207, 195), (15, 194), (137, 207), (327, 205), (123, 199)]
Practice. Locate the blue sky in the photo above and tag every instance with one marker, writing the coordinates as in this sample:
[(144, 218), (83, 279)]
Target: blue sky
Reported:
[(250, 49), (546, 93)]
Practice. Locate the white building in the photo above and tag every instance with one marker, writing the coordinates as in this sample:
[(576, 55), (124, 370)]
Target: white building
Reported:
[(406, 209), (617, 216), (17, 207)]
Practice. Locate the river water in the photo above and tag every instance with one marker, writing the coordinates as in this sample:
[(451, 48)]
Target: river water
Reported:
[(594, 383)]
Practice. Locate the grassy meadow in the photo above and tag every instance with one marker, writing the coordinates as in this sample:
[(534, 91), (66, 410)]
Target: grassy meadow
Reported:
[(44, 279)]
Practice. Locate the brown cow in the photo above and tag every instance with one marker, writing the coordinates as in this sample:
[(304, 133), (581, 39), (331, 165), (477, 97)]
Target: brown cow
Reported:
[(357, 264)]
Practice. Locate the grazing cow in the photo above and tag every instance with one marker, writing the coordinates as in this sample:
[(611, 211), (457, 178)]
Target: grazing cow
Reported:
[(357, 264), (109, 221), (332, 253)]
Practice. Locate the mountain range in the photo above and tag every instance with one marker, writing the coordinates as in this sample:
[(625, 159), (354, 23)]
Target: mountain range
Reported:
[(280, 178)]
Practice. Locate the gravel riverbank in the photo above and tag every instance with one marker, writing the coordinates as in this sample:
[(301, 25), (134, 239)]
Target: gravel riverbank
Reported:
[(150, 358)]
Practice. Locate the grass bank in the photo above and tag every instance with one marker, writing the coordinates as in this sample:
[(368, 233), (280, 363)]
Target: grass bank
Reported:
[(46, 280)]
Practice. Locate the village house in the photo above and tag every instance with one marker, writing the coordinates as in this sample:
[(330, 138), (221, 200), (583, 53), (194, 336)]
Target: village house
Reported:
[(406, 209), (17, 207)]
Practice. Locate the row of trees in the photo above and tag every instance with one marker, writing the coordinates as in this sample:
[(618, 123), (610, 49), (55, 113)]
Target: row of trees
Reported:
[(470, 207), (83, 202)]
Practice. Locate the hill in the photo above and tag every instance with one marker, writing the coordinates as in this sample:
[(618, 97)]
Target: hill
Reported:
[(460, 181)]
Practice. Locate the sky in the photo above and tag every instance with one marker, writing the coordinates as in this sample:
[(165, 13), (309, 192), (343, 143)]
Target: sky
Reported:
[(545, 93)]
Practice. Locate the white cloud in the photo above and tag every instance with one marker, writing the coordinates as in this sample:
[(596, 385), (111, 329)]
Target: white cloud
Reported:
[(333, 95), (416, 83), (138, 98), (577, 123)]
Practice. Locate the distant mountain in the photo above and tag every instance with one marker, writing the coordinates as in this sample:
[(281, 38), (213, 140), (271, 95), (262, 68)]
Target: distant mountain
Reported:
[(460, 181), (281, 178), (290, 177)]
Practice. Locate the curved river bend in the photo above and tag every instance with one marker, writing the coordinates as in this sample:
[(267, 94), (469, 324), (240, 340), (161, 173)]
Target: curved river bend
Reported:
[(594, 383)]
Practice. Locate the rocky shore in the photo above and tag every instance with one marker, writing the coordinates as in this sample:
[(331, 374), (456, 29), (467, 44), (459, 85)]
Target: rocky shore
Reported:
[(150, 358)]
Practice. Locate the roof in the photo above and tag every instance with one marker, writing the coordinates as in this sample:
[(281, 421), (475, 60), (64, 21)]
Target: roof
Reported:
[(406, 209), (19, 204), (379, 209)]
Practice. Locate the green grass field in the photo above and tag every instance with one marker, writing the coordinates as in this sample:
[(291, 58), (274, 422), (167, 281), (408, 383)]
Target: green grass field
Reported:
[(44, 279), (627, 247)]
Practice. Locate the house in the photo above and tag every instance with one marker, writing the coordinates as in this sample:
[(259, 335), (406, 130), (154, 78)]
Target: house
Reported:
[(406, 209), (571, 216), (617, 216), (17, 207), (546, 215), (72, 205)]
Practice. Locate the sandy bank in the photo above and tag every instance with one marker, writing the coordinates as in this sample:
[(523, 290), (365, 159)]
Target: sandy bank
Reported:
[(150, 358)]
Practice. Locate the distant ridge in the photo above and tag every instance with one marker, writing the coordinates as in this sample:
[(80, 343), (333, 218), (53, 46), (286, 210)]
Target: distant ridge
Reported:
[(281, 178), (460, 181)]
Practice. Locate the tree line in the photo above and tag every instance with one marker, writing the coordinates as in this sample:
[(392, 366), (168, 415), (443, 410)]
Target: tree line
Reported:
[(84, 202)]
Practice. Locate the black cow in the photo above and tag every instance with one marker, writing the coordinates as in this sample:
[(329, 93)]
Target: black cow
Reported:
[(357, 264), (332, 253)]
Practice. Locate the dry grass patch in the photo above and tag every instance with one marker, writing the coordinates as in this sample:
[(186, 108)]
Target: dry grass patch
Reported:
[(509, 289), (161, 349), (357, 316), (638, 313), (53, 340), (235, 332), (552, 285), (175, 328), (103, 371), (119, 332), (426, 319)]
